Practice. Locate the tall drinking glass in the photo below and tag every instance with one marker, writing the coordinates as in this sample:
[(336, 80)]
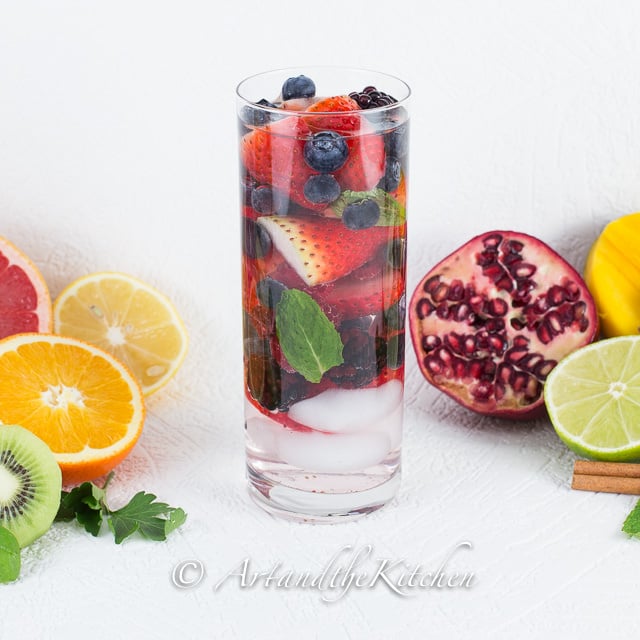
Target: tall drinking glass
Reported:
[(323, 168)]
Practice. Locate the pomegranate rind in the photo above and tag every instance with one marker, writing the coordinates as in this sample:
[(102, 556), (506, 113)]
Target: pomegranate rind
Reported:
[(25, 301), (491, 320)]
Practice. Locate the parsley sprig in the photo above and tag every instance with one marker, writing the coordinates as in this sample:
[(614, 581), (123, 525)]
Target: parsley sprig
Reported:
[(87, 504)]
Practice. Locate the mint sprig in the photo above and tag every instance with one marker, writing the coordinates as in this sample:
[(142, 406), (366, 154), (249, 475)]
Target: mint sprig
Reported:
[(392, 213), (631, 525), (308, 339), (9, 556), (87, 504)]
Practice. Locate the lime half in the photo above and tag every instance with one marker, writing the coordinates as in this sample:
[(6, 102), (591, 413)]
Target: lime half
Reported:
[(593, 399)]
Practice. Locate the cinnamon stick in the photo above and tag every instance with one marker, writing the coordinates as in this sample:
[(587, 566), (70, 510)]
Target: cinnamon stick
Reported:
[(606, 477)]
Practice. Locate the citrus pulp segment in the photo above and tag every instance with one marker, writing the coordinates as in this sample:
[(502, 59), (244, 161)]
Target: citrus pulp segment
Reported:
[(25, 303), (593, 399), (84, 403), (129, 319)]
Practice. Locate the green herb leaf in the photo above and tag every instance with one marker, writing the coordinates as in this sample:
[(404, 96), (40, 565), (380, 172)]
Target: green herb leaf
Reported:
[(152, 519), (87, 504), (9, 556), (632, 523), (307, 337), (392, 213)]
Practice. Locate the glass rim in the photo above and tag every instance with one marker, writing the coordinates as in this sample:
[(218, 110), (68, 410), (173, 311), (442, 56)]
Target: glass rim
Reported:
[(400, 102)]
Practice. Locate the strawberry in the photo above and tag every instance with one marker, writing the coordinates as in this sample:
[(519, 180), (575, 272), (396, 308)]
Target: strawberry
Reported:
[(367, 291), (365, 164), (320, 249), (273, 155), (340, 123)]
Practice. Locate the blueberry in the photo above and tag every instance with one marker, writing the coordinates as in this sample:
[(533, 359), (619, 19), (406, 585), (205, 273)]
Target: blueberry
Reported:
[(262, 199), (321, 188), (298, 87), (392, 174), (361, 215), (396, 141), (256, 241), (325, 151), (258, 117), (269, 291)]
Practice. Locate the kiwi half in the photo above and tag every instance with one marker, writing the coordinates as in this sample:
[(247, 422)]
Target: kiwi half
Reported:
[(30, 484)]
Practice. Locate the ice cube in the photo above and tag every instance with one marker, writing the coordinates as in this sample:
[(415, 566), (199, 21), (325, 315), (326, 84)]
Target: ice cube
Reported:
[(332, 453), (348, 410)]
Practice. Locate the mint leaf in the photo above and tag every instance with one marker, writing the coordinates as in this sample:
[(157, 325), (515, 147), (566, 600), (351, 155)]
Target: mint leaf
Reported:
[(143, 514), (9, 556), (392, 213), (632, 523), (307, 337)]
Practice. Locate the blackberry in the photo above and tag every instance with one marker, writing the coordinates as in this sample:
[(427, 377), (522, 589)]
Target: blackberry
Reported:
[(360, 364), (370, 98)]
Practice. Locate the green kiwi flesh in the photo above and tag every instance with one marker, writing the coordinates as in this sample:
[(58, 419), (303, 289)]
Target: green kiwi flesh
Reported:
[(30, 484)]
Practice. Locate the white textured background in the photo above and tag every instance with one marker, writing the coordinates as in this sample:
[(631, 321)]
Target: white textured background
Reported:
[(117, 151)]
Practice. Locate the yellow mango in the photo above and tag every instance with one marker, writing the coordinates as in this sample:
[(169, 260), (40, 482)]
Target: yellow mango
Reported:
[(612, 274)]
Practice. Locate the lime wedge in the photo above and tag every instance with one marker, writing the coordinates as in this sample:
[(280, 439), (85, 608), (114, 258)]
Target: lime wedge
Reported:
[(593, 399)]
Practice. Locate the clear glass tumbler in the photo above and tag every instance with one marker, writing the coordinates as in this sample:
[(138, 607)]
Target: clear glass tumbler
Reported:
[(323, 169)]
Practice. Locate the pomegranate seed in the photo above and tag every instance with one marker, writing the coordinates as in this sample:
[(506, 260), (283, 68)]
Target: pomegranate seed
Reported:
[(544, 334), (554, 321), (541, 305), (460, 312), (475, 368), (511, 258), (456, 291), (515, 354), (583, 324), (494, 325), (444, 355), (498, 307), (478, 304), (521, 341), (459, 368), (488, 369), (492, 241), (497, 344), (513, 246), (565, 311), (434, 365), (572, 290), (504, 283), (517, 323), (523, 270), (531, 361), (442, 311), (469, 345), (556, 296), (520, 380), (579, 310), (440, 292), (430, 342), (486, 258), (499, 390), (482, 391), (424, 308), (431, 284), (454, 342), (544, 368), (505, 373), (532, 389)]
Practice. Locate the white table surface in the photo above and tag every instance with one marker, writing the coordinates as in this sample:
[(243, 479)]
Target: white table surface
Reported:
[(117, 151)]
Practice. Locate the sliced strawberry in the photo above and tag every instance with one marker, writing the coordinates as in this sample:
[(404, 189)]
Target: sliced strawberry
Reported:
[(365, 163), (324, 119), (322, 249), (367, 291), (273, 155)]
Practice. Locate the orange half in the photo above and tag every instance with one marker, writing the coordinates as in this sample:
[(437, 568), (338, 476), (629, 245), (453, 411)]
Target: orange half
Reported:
[(84, 403)]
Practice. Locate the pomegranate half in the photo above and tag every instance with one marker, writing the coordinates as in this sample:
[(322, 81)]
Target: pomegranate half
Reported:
[(490, 321)]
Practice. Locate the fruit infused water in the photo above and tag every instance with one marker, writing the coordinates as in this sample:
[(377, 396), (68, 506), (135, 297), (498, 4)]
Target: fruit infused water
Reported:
[(323, 165)]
